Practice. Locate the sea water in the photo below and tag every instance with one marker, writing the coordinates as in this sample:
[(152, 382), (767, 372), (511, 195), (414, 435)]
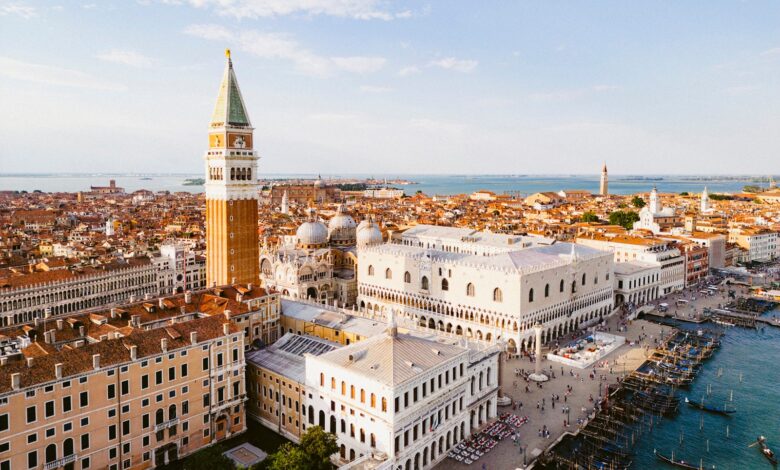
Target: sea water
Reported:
[(428, 184), (747, 363)]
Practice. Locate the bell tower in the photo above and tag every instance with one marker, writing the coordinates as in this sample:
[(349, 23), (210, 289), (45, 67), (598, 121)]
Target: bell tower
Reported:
[(232, 245)]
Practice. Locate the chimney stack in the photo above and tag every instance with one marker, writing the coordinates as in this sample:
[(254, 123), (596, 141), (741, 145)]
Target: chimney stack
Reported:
[(53, 336), (194, 337), (113, 312), (96, 361), (227, 315), (239, 297), (132, 298), (30, 362), (60, 323), (58, 370), (164, 344), (226, 329), (249, 286), (36, 321), (133, 352), (161, 303), (3, 360), (16, 381), (136, 320), (188, 297), (82, 331)]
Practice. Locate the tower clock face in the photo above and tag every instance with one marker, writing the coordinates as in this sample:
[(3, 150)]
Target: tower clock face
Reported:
[(239, 142)]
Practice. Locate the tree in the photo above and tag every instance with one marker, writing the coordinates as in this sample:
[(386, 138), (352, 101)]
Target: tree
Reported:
[(638, 202), (684, 193), (210, 458), (589, 217), (313, 453), (625, 219)]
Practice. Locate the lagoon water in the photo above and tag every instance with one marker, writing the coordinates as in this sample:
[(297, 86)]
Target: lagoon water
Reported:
[(755, 354), (428, 184)]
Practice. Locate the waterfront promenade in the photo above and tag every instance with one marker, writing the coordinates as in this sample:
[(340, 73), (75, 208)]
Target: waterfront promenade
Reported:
[(641, 337)]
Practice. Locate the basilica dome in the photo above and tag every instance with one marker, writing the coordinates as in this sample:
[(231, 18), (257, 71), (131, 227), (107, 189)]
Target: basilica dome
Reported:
[(369, 234), (311, 234), (341, 228)]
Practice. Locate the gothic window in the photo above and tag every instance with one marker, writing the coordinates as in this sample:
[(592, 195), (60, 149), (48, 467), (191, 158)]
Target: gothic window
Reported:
[(388, 273), (232, 174), (249, 174), (583, 279), (424, 283), (573, 287), (498, 296), (547, 290), (531, 295), (407, 277), (370, 270), (561, 285), (445, 285), (470, 289)]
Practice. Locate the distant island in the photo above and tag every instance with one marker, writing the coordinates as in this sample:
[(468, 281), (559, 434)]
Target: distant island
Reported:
[(194, 182)]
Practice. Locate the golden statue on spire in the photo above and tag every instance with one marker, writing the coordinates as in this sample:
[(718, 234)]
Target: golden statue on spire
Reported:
[(227, 53)]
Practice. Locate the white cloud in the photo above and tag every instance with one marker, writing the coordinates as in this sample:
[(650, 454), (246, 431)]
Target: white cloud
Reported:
[(458, 65), (280, 46), (375, 89), (359, 64), (19, 9), (126, 57), (773, 51), (355, 9), (408, 71), (50, 75)]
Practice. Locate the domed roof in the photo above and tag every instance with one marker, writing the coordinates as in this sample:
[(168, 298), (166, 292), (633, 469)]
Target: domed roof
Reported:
[(342, 220), (341, 227), (319, 183), (369, 235), (312, 232)]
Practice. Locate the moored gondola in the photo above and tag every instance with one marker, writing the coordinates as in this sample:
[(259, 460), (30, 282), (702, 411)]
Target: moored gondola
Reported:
[(678, 463), (711, 409)]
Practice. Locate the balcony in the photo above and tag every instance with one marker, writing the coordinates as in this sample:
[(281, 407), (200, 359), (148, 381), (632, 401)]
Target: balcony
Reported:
[(167, 424), (61, 462)]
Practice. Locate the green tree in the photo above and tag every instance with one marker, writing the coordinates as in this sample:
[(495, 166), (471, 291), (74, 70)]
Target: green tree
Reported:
[(625, 219), (638, 202), (684, 193), (589, 217), (313, 453), (210, 458)]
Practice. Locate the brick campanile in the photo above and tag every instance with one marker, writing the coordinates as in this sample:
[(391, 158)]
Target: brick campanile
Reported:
[(232, 191)]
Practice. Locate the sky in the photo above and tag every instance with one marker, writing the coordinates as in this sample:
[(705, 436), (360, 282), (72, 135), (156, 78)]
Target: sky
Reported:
[(369, 86)]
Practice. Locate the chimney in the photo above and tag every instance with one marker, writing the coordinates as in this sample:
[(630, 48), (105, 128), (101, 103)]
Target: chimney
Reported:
[(96, 361), (188, 297), (82, 331), (53, 336), (36, 321), (232, 280), (136, 320), (60, 323), (164, 344), (194, 337), (16, 381), (226, 329), (47, 337), (147, 296), (239, 297), (47, 312), (132, 298), (227, 315), (3, 360), (249, 286), (133, 352), (161, 303), (113, 312), (58, 370), (30, 362)]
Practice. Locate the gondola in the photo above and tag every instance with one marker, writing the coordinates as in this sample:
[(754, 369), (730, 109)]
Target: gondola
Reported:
[(712, 409), (677, 463), (765, 450)]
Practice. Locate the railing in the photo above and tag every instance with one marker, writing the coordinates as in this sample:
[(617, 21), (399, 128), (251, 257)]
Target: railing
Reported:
[(167, 424), (61, 462)]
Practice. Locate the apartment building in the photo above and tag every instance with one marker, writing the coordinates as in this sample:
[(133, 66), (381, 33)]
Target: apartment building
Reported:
[(135, 399)]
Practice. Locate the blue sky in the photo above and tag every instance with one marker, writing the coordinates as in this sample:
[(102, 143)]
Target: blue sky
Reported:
[(365, 86)]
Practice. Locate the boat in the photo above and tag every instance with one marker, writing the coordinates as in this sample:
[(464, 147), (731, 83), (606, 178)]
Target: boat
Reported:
[(712, 409), (765, 450), (678, 463)]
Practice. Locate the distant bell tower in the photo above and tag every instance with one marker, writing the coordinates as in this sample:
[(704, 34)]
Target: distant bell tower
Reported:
[(232, 192), (604, 186)]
